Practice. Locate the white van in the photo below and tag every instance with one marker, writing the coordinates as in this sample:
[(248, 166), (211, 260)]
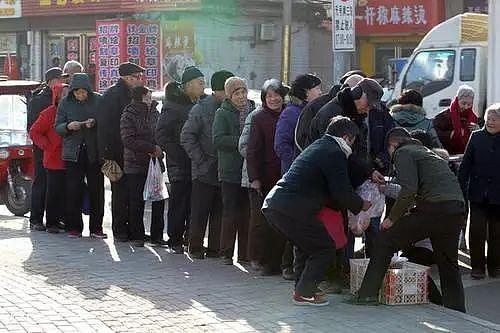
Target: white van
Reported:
[(451, 54)]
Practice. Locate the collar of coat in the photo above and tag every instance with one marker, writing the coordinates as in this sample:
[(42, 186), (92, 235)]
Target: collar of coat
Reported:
[(346, 149), (175, 94), (407, 107)]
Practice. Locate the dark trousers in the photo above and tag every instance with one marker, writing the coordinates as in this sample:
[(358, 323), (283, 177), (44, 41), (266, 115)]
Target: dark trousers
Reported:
[(206, 206), (56, 197), (135, 184), (484, 226), (120, 208), (316, 250), (75, 174), (38, 188), (179, 211), (287, 258), (235, 216), (370, 235), (265, 244), (441, 222)]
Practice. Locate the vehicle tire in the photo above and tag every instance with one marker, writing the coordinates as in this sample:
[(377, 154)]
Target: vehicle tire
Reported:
[(18, 203)]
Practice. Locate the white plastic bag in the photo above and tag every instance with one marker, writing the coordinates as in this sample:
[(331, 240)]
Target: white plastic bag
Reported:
[(155, 188), (367, 191)]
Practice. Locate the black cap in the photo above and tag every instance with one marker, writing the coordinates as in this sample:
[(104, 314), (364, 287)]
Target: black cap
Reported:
[(303, 83), (129, 68), (372, 89), (190, 73), (219, 79), (53, 73)]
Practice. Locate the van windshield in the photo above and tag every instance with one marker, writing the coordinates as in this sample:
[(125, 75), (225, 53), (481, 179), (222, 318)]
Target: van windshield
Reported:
[(430, 71)]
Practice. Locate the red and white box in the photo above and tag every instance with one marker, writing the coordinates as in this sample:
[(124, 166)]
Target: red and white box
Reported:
[(404, 284)]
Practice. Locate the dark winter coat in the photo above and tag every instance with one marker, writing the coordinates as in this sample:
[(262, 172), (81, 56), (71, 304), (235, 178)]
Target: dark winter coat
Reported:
[(284, 142), (413, 117), (113, 102), (303, 129), (174, 114), (39, 102), (69, 110), (196, 139), (137, 130), (479, 173), (317, 178), (226, 133), (262, 161)]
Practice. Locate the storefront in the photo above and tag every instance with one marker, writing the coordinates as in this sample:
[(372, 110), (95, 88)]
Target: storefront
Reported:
[(391, 29)]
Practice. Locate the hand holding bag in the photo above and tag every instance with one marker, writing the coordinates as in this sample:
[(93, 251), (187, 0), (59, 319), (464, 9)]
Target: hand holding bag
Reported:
[(155, 188)]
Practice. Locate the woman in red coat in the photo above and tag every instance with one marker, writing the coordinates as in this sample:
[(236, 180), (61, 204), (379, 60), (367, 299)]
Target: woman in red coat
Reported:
[(45, 137)]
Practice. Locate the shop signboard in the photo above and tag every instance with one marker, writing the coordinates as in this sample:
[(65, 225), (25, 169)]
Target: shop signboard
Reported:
[(178, 48), (118, 41), (76, 7), (10, 8), (72, 48), (7, 43), (343, 35), (382, 17)]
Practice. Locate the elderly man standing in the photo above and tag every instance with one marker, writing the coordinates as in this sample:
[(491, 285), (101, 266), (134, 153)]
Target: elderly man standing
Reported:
[(179, 99), (428, 183), (206, 200), (70, 68), (41, 100), (111, 108)]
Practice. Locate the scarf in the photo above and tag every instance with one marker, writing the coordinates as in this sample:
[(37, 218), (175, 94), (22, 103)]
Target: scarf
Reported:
[(461, 131), (346, 149)]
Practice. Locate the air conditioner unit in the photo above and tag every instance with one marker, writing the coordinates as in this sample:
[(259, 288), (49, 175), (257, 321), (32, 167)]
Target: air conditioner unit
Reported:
[(266, 31)]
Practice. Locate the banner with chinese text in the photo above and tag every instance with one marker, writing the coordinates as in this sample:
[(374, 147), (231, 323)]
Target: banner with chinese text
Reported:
[(344, 38), (127, 40), (398, 16), (178, 48)]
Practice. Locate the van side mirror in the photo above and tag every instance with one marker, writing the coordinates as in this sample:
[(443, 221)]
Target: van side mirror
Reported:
[(445, 102)]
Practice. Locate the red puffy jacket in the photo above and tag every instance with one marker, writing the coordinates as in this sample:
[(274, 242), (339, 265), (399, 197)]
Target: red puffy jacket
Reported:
[(43, 134)]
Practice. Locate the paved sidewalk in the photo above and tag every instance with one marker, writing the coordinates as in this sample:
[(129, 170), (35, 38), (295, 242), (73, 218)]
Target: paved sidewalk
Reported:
[(50, 283)]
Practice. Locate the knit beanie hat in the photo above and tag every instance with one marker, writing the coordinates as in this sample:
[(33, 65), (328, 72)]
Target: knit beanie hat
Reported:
[(275, 85), (190, 73), (219, 79), (234, 83), (303, 83)]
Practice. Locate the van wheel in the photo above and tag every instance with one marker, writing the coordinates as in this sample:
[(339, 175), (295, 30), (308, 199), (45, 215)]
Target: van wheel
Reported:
[(18, 202)]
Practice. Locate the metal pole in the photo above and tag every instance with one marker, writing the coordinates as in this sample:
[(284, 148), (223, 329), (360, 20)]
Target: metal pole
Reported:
[(493, 86), (286, 40)]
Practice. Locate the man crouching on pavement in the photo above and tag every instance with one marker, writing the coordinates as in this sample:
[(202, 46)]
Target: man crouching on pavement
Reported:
[(428, 183), (317, 178)]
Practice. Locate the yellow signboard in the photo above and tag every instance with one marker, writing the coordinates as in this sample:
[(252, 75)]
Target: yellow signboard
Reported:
[(10, 8)]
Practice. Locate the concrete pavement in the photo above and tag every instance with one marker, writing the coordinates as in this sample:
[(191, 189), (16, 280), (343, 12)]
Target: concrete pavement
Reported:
[(50, 283)]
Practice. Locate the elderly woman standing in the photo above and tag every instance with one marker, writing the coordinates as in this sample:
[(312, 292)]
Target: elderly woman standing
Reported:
[(76, 123), (137, 130), (455, 124), (480, 182)]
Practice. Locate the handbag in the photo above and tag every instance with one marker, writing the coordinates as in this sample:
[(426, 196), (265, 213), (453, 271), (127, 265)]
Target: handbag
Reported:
[(112, 170)]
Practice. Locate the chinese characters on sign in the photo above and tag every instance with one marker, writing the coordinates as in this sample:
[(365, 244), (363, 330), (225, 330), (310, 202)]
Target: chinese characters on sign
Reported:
[(395, 15), (343, 25), (10, 8), (127, 40), (178, 48), (107, 54), (72, 48), (476, 6)]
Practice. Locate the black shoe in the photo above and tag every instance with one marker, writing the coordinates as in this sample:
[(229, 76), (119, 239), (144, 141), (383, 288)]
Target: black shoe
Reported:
[(138, 243), (159, 243), (197, 254), (177, 249), (288, 274), (147, 238), (61, 225), (227, 261), (477, 274), (494, 273), (37, 227), (53, 230), (357, 300), (212, 254)]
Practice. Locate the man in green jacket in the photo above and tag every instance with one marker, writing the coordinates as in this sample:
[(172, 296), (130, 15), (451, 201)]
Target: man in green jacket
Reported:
[(428, 184)]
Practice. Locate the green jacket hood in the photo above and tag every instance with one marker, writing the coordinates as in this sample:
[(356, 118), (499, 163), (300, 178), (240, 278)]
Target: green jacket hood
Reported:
[(408, 114)]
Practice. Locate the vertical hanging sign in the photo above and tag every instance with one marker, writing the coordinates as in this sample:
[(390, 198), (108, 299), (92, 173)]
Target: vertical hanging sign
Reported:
[(343, 33)]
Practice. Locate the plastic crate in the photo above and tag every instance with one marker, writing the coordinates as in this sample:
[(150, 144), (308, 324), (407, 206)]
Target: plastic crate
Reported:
[(406, 284)]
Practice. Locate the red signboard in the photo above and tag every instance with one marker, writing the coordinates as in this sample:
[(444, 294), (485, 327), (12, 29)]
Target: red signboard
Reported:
[(77, 7), (127, 40), (398, 16)]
